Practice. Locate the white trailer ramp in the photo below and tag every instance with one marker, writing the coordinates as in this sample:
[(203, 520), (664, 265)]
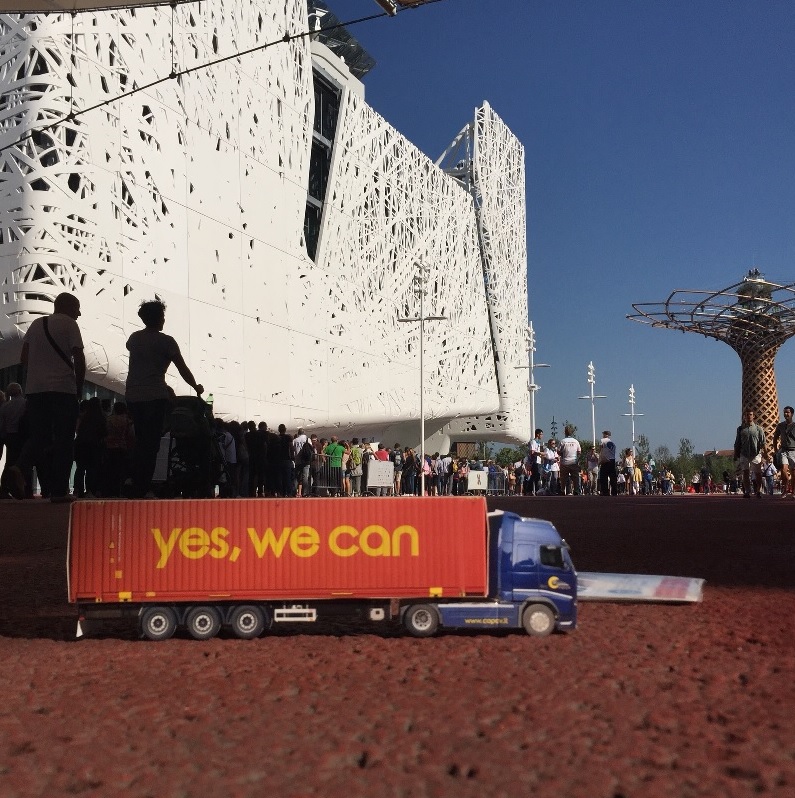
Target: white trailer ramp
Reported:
[(638, 587)]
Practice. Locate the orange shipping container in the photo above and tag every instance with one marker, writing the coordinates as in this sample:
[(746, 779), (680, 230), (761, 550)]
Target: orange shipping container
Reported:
[(259, 549)]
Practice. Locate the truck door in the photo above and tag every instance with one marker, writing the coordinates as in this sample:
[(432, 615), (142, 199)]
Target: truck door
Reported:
[(524, 572), (555, 571)]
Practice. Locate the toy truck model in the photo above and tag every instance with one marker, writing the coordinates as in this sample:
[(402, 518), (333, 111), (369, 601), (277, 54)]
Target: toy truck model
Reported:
[(246, 564)]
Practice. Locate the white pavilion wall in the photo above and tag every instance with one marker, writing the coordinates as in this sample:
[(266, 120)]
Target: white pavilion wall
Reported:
[(193, 190)]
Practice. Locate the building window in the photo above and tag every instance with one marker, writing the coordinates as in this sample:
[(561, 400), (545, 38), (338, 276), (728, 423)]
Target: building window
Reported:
[(312, 228), (327, 107), (319, 165)]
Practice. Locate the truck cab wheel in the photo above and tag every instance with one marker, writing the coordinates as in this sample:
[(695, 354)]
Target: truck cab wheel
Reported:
[(421, 620), (538, 620), (158, 623), (203, 623), (247, 622)]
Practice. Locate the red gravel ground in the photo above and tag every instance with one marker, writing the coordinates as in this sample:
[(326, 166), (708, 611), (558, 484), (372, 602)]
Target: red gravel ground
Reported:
[(641, 700)]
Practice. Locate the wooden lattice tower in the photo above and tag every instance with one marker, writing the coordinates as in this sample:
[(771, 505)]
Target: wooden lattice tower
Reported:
[(755, 317)]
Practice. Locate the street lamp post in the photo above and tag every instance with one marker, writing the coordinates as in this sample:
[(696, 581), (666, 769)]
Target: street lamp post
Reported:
[(592, 396), (531, 384), (420, 282), (632, 415)]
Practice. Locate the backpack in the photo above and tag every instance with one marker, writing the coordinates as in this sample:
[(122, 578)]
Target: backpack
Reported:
[(305, 453), (397, 459), (356, 456)]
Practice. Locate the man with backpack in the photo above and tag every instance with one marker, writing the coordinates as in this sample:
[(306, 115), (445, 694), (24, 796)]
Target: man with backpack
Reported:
[(302, 456)]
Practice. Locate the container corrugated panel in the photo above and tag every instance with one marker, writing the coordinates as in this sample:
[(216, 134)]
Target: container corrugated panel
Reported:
[(186, 549)]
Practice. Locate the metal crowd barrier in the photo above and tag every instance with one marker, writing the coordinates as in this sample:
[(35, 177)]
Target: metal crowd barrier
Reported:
[(488, 482), (324, 480)]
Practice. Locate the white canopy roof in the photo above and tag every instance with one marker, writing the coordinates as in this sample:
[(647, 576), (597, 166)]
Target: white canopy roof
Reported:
[(66, 6)]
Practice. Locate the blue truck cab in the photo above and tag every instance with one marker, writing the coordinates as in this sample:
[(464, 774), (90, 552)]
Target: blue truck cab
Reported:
[(532, 584)]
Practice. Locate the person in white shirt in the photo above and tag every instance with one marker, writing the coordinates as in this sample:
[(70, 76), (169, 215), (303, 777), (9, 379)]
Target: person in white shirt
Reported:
[(536, 455), (570, 451), (552, 467), (607, 466), (52, 352), (11, 413)]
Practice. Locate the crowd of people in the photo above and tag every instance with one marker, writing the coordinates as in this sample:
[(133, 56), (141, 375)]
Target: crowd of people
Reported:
[(114, 450), (50, 430)]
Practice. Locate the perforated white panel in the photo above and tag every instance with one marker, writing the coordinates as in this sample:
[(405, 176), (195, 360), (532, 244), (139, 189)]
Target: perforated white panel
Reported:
[(194, 190)]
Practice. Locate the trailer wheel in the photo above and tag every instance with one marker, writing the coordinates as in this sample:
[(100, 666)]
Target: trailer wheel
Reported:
[(158, 623), (247, 622), (538, 620), (203, 623), (421, 620)]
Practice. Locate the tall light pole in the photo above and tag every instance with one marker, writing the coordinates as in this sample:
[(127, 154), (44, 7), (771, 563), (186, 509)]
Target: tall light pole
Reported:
[(531, 383), (592, 396), (420, 282), (632, 415)]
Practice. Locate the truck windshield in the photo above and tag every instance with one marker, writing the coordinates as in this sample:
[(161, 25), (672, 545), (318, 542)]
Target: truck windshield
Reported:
[(552, 555)]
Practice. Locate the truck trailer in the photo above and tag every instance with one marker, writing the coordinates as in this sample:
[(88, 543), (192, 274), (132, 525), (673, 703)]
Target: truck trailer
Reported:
[(247, 564)]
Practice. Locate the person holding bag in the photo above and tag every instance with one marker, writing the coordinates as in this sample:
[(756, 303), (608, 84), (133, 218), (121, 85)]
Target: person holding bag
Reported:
[(52, 354)]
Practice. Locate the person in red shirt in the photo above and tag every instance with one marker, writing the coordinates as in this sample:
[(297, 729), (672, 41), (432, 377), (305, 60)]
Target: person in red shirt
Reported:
[(382, 454)]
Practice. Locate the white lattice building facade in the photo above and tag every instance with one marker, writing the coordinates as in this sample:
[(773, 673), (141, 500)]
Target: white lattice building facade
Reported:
[(278, 216)]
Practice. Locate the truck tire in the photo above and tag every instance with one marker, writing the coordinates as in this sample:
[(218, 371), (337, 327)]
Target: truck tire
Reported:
[(247, 622), (421, 620), (203, 623), (538, 620), (158, 623)]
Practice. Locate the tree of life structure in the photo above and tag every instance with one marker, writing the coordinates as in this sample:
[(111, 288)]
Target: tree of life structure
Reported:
[(755, 317)]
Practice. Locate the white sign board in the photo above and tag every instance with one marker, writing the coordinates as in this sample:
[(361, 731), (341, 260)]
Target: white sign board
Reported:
[(380, 474), (478, 480)]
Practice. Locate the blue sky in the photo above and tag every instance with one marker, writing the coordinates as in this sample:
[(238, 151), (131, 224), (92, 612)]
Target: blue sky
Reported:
[(660, 155)]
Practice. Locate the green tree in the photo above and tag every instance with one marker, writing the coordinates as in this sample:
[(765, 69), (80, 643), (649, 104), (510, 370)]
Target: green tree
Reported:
[(662, 455), (643, 448), (508, 456), (717, 465), (686, 463)]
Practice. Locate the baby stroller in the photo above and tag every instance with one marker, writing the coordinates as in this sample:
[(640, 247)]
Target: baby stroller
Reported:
[(195, 462)]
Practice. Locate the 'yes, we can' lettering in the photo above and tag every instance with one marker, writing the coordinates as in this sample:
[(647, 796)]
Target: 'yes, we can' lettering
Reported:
[(196, 543)]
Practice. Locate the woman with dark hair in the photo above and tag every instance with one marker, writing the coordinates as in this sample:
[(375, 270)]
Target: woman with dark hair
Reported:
[(409, 471), (346, 471), (148, 396)]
